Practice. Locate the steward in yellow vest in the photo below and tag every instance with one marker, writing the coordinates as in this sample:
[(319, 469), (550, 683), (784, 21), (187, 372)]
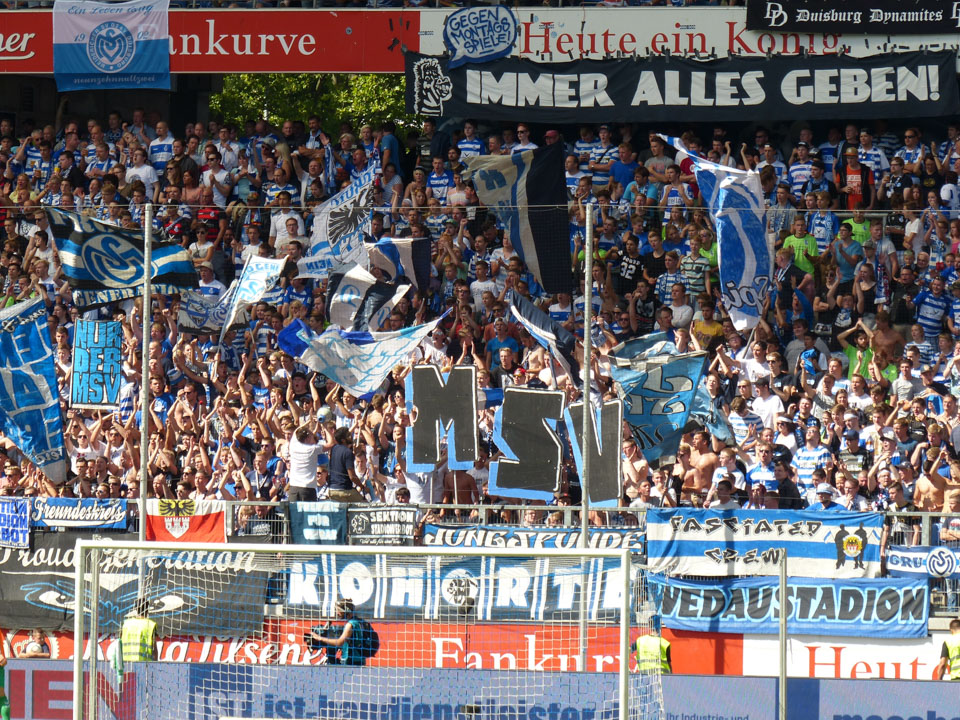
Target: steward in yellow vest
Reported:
[(653, 652), (138, 635), (950, 654)]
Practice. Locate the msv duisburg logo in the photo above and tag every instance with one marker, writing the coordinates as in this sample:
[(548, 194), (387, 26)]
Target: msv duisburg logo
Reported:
[(111, 47)]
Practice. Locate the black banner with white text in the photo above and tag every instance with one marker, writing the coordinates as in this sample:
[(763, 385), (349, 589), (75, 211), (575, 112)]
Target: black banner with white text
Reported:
[(876, 17), (662, 89)]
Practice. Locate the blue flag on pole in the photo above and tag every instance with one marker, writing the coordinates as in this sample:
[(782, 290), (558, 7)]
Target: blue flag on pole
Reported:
[(111, 45), (29, 402), (657, 386), (258, 276), (736, 203)]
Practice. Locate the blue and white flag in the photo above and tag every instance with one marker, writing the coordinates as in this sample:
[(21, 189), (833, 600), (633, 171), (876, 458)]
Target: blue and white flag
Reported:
[(864, 607), (338, 228), (97, 371), (258, 276), (29, 401), (79, 513), (714, 543), (658, 387), (528, 193), (923, 561), (104, 263), (111, 45), (357, 361), (202, 315), (736, 203), (403, 257), (356, 300), (14, 522), (709, 416), (489, 398), (548, 333)]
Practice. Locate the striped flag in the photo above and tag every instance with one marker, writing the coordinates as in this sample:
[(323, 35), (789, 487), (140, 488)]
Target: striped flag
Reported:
[(187, 520), (258, 276), (528, 193), (403, 257), (356, 300), (547, 332), (104, 263)]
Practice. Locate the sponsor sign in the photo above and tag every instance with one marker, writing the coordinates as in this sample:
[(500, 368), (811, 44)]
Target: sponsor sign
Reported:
[(880, 17), (660, 89), (472, 588), (923, 561), (494, 536), (865, 607), (682, 541), (390, 525), (14, 523), (87, 513), (317, 523), (189, 592), (97, 365)]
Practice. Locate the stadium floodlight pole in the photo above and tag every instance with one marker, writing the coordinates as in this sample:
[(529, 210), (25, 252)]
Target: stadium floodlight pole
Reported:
[(587, 431), (145, 372), (782, 714)]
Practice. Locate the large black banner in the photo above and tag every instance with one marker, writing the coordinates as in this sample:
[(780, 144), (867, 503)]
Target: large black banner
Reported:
[(663, 89), (189, 592), (875, 17)]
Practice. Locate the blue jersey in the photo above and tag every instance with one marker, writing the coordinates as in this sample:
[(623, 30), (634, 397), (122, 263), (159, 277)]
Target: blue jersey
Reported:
[(931, 310), (160, 152), (471, 148), (603, 155), (440, 184), (824, 228), (581, 147), (797, 176)]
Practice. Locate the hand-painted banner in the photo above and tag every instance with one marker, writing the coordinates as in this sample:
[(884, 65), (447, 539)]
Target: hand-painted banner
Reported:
[(500, 536), (657, 386), (923, 561), (339, 226), (29, 401), (318, 523), (661, 89), (14, 522), (686, 541), (97, 365), (382, 525), (77, 513), (816, 606), (111, 45), (470, 587), (736, 203)]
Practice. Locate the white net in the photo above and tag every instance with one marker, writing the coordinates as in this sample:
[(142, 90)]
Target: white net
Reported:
[(428, 634)]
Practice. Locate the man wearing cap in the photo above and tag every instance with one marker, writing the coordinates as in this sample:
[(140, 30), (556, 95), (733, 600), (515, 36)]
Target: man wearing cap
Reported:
[(766, 404), (602, 158), (855, 181), (825, 495), (799, 172), (209, 286), (818, 182)]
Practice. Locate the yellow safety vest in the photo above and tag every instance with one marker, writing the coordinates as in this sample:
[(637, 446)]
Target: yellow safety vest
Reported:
[(137, 639), (652, 654), (953, 650)]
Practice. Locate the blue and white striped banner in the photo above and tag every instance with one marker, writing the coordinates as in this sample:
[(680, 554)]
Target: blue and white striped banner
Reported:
[(258, 276), (923, 561), (686, 541), (402, 257), (338, 228), (736, 203), (29, 401), (111, 45)]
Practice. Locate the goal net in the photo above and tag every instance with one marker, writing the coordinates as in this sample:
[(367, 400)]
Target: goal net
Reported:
[(263, 631)]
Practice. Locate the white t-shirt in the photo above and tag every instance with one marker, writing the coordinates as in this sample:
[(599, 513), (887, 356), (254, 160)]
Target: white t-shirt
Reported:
[(219, 199), (146, 174), (278, 225), (303, 464), (767, 409)]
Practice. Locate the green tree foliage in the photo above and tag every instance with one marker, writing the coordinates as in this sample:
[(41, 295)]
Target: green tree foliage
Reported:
[(357, 99)]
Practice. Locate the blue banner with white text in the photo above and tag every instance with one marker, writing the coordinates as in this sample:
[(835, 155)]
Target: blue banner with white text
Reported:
[(111, 45), (79, 513), (865, 607), (318, 523), (687, 541), (14, 522), (97, 370), (923, 561), (29, 401)]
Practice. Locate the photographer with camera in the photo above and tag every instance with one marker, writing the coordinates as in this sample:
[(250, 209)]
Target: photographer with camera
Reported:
[(358, 642)]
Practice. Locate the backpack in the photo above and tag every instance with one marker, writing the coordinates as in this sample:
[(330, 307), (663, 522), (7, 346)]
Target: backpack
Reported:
[(368, 640)]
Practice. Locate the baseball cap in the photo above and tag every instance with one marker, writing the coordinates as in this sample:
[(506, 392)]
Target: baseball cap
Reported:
[(850, 151), (207, 265), (818, 164), (849, 416), (824, 489), (803, 144), (926, 369), (851, 435), (869, 243)]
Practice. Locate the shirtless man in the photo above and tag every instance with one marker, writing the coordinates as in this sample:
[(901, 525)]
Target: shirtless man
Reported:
[(459, 488), (884, 339), (928, 494), (704, 459), (635, 467), (693, 482)]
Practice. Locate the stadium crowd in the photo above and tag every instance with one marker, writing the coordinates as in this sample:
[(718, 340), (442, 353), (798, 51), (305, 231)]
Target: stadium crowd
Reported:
[(843, 397)]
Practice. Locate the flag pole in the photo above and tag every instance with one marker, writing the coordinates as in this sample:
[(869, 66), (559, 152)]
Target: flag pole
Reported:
[(145, 318), (586, 431)]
